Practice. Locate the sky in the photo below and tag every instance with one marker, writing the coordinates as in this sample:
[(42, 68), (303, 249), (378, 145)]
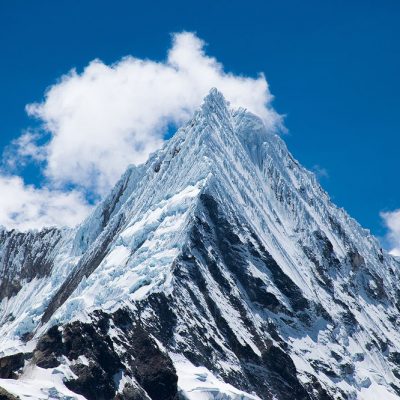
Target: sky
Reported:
[(89, 87)]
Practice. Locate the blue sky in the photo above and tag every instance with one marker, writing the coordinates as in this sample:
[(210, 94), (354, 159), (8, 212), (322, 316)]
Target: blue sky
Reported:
[(331, 65)]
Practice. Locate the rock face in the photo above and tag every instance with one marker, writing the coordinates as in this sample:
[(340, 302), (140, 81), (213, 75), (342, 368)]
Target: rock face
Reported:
[(110, 346), (25, 256), (218, 269), (4, 395), (11, 365)]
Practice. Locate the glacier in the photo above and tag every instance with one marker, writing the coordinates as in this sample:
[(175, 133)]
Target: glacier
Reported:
[(218, 269)]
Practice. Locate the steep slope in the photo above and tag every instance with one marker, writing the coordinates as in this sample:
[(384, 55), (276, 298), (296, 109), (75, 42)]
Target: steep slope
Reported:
[(218, 269)]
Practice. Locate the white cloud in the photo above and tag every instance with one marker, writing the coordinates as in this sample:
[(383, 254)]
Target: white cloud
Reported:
[(25, 207), (96, 122), (109, 116), (392, 222), (23, 150)]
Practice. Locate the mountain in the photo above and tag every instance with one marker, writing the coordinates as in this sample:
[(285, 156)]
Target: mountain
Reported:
[(219, 269)]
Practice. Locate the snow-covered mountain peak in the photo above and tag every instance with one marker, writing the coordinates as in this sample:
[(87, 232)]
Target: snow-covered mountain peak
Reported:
[(225, 260), (215, 108), (214, 97)]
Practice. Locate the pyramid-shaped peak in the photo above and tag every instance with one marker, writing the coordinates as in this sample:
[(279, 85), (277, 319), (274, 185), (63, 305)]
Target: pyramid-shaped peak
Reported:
[(215, 96), (220, 235), (229, 121), (215, 100), (216, 108)]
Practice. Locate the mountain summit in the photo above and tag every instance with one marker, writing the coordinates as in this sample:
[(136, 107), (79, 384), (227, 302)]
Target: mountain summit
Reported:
[(219, 269)]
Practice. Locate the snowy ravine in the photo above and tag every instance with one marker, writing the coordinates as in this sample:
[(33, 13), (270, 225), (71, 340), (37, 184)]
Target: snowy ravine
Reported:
[(219, 269)]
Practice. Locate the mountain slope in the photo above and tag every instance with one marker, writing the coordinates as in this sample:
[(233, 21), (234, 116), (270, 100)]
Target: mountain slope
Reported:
[(218, 269)]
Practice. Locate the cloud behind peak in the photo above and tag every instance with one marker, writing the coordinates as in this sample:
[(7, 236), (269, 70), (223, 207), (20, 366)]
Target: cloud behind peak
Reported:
[(109, 116)]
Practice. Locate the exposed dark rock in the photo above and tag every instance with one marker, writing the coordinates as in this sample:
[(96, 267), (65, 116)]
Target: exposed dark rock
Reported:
[(9, 288), (153, 369), (321, 366), (383, 344), (322, 270), (394, 357), (48, 349), (10, 365), (141, 359), (318, 392), (395, 388), (95, 381), (110, 206), (347, 368), (164, 320), (284, 283), (273, 375), (25, 256), (284, 374), (337, 228), (236, 261), (396, 372), (92, 382), (356, 259), (4, 395), (326, 247), (374, 286), (336, 356), (349, 320), (131, 393), (157, 167)]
